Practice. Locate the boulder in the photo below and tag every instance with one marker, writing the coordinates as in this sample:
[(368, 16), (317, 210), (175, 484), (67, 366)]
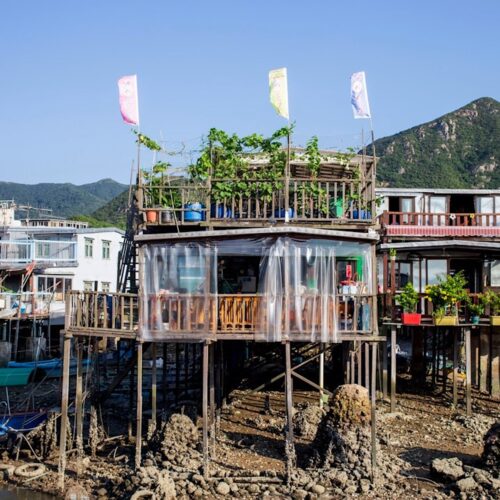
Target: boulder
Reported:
[(447, 469)]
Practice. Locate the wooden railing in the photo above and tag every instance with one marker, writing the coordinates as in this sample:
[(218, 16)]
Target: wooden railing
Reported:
[(95, 312), (434, 219), (263, 200), (245, 313), (391, 309)]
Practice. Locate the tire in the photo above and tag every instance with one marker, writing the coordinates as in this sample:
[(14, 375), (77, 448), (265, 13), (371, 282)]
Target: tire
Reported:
[(30, 470)]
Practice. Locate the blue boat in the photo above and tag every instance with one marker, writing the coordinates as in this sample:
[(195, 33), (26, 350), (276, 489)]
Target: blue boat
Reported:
[(20, 422)]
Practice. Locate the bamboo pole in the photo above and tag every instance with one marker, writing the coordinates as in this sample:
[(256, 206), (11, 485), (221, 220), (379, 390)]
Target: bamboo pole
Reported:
[(289, 445), (206, 471)]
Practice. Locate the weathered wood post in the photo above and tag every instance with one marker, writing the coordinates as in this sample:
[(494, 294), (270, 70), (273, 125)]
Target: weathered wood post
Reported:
[(64, 408), (393, 369), (289, 445), (206, 471), (138, 439)]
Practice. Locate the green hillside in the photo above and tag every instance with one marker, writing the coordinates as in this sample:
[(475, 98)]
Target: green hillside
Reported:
[(66, 199), (458, 150)]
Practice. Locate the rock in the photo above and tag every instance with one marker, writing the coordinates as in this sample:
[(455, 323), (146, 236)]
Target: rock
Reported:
[(299, 495), (351, 405), (318, 489), (466, 484), (491, 453), (102, 492), (306, 420), (223, 488), (447, 469), (254, 489)]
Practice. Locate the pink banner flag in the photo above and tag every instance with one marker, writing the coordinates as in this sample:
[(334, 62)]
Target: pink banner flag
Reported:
[(129, 101)]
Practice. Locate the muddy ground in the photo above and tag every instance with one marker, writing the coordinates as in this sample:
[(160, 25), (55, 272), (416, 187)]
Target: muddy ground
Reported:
[(248, 457)]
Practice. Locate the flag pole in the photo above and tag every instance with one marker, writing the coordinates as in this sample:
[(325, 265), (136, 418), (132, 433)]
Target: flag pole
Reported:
[(287, 175)]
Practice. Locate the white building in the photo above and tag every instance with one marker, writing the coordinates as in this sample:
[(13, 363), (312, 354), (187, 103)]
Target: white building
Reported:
[(58, 256)]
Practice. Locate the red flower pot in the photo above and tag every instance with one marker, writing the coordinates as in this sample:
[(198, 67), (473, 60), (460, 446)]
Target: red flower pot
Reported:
[(411, 319)]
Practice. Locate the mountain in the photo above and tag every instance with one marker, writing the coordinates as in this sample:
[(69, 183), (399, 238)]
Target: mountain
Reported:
[(114, 212), (458, 150), (66, 199)]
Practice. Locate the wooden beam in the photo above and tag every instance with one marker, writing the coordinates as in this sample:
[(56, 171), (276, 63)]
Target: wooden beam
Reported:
[(138, 439), (206, 471), (79, 403), (468, 356), (153, 385), (373, 412), (64, 409), (393, 369), (289, 445), (455, 368)]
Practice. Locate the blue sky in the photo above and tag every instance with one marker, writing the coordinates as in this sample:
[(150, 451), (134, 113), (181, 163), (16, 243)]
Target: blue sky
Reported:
[(202, 64)]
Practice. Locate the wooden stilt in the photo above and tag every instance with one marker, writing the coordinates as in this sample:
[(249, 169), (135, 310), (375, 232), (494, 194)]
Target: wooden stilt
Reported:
[(321, 374), (79, 404), (373, 412), (153, 384), (384, 370), (444, 360), (211, 394), (138, 439), (289, 445), (455, 368), (164, 376), (131, 393), (64, 409), (218, 381), (468, 355), (434, 356), (353, 366), (393, 369), (206, 471), (367, 365), (359, 365)]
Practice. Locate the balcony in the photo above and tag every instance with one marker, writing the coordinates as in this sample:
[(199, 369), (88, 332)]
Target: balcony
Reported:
[(44, 252), (223, 316), (337, 194), (25, 305), (422, 224)]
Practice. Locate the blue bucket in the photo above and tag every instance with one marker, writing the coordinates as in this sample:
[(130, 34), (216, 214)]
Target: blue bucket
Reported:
[(194, 212)]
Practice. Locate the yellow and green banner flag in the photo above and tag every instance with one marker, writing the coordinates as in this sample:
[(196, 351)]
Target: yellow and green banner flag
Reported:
[(278, 91)]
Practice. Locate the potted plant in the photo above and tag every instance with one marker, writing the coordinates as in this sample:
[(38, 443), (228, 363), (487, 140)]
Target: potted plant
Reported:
[(155, 192), (445, 297), (408, 300), (493, 300), (476, 311)]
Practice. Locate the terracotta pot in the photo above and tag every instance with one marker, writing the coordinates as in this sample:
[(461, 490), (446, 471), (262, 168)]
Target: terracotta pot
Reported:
[(151, 215), (411, 319)]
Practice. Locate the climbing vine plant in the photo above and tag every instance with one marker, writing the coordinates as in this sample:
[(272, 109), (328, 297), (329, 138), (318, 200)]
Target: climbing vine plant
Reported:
[(225, 159)]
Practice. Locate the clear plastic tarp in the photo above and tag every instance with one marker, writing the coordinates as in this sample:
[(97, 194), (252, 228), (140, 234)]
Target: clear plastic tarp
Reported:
[(277, 288)]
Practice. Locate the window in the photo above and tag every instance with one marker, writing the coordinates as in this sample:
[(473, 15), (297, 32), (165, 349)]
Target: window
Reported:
[(495, 273), (105, 286), (42, 250), (436, 268), (88, 286), (106, 249), (58, 285), (89, 247)]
